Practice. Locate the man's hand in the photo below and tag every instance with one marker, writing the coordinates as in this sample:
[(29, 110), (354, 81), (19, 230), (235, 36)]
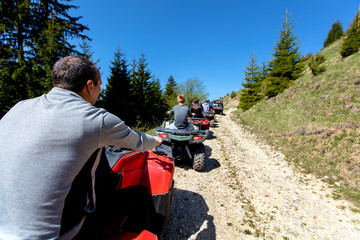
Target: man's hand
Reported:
[(158, 139)]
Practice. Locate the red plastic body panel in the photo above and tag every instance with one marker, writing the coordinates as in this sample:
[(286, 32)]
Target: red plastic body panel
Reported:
[(144, 235), (131, 168), (158, 173), (155, 172), (130, 161), (204, 122)]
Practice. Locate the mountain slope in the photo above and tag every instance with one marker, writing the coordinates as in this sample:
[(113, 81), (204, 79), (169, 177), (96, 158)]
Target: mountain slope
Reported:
[(316, 122)]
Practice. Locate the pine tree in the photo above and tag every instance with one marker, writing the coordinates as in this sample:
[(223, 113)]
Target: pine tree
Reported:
[(147, 98), (140, 81), (286, 65), (87, 52), (252, 75), (13, 88), (170, 93), (49, 48), (14, 72), (116, 96), (264, 74), (30, 46), (170, 89), (251, 93), (336, 32), (351, 42), (264, 71), (25, 22), (157, 101)]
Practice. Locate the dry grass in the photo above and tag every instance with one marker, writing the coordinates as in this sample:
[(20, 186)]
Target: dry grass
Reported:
[(231, 102)]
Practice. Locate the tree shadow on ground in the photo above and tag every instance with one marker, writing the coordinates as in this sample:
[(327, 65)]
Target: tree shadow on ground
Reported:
[(189, 215), (210, 164)]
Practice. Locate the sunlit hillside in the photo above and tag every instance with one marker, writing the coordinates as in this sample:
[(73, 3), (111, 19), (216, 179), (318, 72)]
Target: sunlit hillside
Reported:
[(316, 122)]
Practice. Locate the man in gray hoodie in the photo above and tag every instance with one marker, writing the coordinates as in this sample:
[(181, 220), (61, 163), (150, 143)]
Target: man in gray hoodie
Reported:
[(46, 142)]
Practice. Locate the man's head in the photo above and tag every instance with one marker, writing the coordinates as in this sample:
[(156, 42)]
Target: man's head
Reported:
[(79, 75), (180, 98)]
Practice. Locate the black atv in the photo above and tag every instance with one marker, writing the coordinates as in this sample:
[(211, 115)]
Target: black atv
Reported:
[(185, 144), (218, 106)]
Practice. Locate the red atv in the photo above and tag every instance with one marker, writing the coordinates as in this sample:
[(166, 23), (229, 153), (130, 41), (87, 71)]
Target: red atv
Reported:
[(203, 123), (210, 116), (125, 172)]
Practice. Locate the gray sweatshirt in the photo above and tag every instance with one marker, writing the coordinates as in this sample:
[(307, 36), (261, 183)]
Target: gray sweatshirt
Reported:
[(44, 143), (180, 112)]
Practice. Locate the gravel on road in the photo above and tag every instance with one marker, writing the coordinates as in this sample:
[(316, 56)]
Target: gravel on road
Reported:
[(249, 191)]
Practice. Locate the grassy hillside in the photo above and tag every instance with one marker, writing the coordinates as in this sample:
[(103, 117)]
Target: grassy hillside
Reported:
[(316, 122), (231, 102)]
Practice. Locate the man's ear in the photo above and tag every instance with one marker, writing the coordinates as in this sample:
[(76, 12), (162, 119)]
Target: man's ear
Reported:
[(87, 91), (89, 86)]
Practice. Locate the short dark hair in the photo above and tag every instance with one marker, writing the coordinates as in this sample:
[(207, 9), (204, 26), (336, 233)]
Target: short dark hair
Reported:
[(73, 72)]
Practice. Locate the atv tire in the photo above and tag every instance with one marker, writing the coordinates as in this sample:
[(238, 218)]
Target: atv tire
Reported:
[(212, 123), (199, 158)]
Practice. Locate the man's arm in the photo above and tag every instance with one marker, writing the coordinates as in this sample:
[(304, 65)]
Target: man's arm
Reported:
[(171, 111), (116, 133), (158, 139)]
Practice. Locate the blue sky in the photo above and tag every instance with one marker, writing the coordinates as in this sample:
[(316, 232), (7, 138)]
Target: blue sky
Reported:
[(208, 39)]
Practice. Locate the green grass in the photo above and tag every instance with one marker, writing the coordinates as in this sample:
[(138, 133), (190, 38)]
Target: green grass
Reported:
[(316, 121), (151, 131)]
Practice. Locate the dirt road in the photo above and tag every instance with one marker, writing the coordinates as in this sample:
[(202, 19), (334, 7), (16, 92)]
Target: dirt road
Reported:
[(249, 191)]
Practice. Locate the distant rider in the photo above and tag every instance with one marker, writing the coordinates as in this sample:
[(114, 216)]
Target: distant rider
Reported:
[(196, 109), (180, 112), (211, 107), (206, 106)]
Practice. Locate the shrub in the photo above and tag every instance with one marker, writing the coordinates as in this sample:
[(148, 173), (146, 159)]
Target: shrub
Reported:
[(315, 64), (336, 32), (351, 42)]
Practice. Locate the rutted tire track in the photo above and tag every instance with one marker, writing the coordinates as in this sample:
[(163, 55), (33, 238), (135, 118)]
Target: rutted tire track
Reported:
[(248, 191)]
